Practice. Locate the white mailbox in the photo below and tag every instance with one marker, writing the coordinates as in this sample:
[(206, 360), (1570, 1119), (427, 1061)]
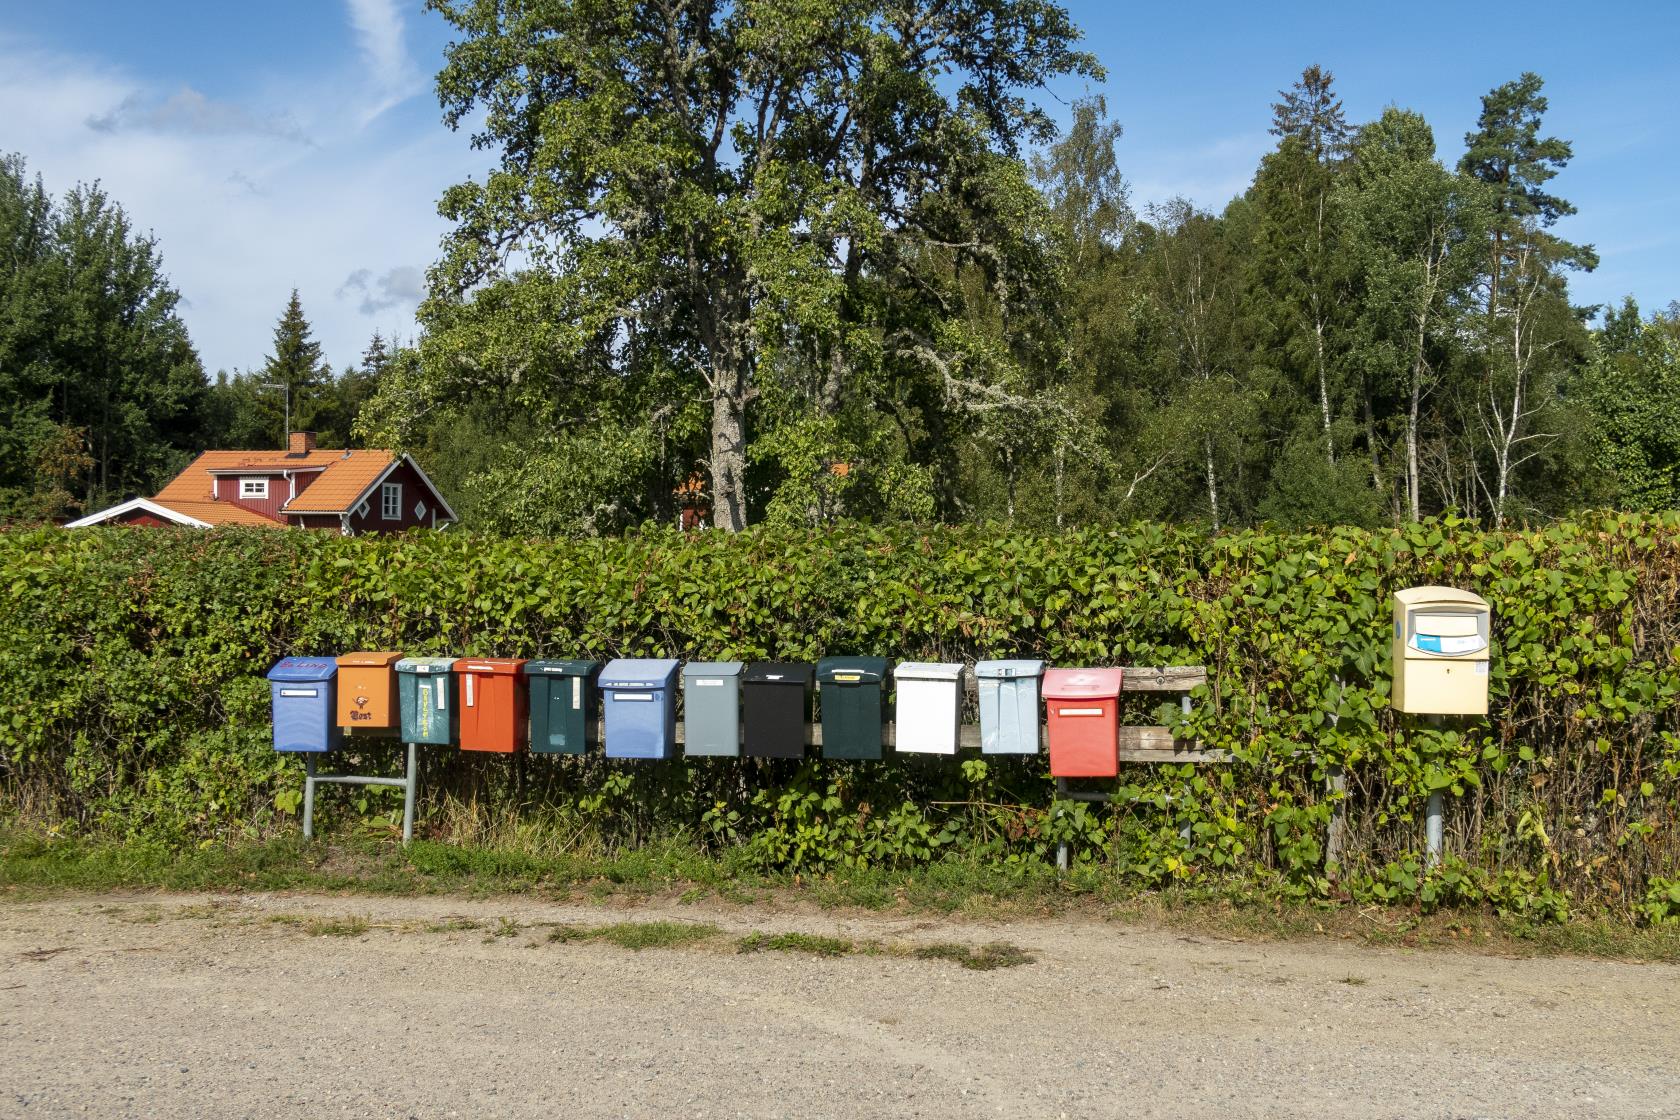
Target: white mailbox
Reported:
[(928, 707), (1441, 647)]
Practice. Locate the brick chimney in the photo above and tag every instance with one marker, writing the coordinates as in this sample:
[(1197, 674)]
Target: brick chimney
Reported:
[(302, 443)]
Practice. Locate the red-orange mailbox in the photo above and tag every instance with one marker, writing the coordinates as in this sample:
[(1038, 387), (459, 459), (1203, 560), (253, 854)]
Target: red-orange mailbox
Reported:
[(1082, 707), (495, 703), (367, 691)]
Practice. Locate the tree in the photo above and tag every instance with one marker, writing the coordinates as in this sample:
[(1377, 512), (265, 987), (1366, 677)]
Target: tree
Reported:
[(1415, 230), (1632, 389), (1311, 114), (702, 194), (295, 371), (100, 388)]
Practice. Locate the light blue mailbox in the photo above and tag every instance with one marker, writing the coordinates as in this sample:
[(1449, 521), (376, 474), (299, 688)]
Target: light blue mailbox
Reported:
[(302, 690), (639, 702), (1008, 706)]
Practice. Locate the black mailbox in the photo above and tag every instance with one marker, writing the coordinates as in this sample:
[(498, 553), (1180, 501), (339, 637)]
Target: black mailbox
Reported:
[(776, 705)]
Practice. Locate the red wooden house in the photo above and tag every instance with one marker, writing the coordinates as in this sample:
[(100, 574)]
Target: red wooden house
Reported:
[(302, 487)]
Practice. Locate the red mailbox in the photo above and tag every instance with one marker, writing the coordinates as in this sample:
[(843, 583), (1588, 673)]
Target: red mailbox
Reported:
[(495, 703), (1082, 708)]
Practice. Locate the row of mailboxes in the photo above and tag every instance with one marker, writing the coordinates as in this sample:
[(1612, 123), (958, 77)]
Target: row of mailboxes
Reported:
[(761, 710), (1440, 656)]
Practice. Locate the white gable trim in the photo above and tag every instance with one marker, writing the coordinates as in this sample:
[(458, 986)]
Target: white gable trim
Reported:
[(373, 486), (145, 505)]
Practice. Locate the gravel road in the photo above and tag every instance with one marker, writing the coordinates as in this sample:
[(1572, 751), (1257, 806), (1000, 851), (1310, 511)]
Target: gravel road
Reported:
[(286, 1005)]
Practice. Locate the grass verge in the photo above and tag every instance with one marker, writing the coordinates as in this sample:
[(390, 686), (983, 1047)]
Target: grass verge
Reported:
[(31, 862)]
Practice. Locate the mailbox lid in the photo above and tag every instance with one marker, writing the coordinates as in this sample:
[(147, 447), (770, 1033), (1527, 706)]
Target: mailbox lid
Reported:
[(1081, 684), (304, 669), (566, 667), (929, 671), (368, 659), (1429, 595), (1008, 670), (490, 666), (780, 672), (852, 670), (639, 672), (426, 666), (712, 670)]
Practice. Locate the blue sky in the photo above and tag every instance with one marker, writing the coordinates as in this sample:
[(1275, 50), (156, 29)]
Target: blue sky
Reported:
[(299, 144)]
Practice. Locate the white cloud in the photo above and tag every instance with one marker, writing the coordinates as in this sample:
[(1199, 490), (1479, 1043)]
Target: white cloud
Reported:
[(1210, 174), (380, 35), (189, 111), (403, 286)]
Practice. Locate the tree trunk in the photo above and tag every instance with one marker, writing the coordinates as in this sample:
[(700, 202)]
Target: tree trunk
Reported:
[(1323, 387), (729, 448), (1412, 481), (1212, 481), (1061, 473)]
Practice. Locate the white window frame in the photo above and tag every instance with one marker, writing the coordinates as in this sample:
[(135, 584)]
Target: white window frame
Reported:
[(254, 488), (390, 501)]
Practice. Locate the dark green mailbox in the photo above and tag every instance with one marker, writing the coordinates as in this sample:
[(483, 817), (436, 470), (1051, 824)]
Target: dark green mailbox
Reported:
[(565, 705), (854, 705), (426, 701)]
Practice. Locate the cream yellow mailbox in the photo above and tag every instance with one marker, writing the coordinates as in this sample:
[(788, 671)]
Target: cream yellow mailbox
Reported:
[(1441, 652)]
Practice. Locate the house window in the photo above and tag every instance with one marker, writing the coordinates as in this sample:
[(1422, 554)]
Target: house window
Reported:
[(390, 501), (253, 488)]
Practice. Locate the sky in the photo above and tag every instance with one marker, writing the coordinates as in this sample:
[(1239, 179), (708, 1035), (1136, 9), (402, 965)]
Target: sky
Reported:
[(300, 145)]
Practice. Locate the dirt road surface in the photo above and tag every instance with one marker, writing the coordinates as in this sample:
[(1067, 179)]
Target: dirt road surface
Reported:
[(278, 1005)]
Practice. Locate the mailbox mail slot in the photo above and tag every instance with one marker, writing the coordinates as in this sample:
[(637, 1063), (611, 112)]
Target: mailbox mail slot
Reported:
[(302, 691), (1441, 651), (495, 711), (1083, 722), (639, 698), (367, 692)]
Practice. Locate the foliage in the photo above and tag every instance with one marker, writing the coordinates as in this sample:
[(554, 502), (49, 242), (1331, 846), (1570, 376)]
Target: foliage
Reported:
[(140, 655), (100, 389)]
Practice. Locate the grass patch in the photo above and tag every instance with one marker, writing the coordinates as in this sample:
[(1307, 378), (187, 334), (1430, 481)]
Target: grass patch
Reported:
[(336, 927), (812, 943), (638, 935), (998, 954), (32, 862)]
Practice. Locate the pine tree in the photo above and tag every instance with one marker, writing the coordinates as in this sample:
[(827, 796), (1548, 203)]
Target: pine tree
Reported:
[(296, 367), (1312, 113)]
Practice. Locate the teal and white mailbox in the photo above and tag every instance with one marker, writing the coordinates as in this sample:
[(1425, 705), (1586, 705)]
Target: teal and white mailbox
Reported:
[(426, 701)]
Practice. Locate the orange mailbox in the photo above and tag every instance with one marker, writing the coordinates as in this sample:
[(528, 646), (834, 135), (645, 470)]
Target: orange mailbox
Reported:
[(1083, 722), (495, 703), (367, 692)]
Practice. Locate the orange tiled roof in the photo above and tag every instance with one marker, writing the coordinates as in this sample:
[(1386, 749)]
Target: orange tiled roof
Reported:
[(193, 484), (342, 483), (346, 475), (221, 513)]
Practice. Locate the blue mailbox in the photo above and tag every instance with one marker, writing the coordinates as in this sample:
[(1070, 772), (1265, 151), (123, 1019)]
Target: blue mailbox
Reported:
[(302, 689), (1009, 706), (639, 701)]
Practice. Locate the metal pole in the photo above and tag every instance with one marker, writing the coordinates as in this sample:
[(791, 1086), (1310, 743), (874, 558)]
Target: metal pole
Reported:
[(308, 796), (408, 796), (1432, 832), (1061, 848)]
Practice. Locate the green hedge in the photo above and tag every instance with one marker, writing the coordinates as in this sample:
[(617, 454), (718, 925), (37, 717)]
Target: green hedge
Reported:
[(131, 665)]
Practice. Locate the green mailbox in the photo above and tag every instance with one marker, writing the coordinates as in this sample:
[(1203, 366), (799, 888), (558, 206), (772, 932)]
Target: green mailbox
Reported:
[(565, 705), (854, 705), (426, 701)]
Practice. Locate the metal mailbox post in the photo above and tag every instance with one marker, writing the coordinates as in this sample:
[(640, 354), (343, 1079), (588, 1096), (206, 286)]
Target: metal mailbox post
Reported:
[(928, 706), (639, 697), (565, 705), (1008, 706), (712, 708), (776, 705), (495, 704), (853, 696), (1083, 722)]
